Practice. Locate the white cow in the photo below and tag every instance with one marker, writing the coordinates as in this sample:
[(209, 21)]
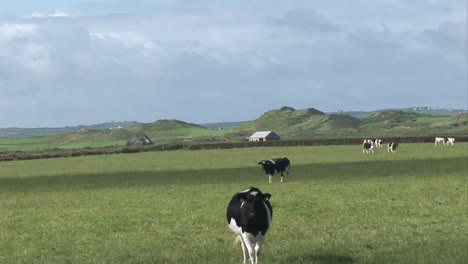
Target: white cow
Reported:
[(450, 141), (438, 140)]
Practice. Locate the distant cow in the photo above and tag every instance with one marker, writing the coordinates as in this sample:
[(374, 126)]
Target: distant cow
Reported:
[(378, 143), (368, 148), (249, 215), (279, 165), (438, 140), (450, 141), (392, 146)]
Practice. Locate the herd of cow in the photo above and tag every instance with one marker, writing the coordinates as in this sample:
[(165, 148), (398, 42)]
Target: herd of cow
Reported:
[(444, 140), (368, 145), (249, 213)]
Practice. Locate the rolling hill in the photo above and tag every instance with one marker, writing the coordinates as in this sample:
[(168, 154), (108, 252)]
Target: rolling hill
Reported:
[(288, 122)]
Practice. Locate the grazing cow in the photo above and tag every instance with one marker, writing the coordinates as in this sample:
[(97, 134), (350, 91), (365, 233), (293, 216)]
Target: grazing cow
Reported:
[(249, 215), (368, 148), (392, 146), (279, 165), (378, 143), (438, 140), (450, 141)]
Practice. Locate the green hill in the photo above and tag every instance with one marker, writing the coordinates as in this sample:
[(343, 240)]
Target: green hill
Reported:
[(302, 124), (288, 122), (171, 131)]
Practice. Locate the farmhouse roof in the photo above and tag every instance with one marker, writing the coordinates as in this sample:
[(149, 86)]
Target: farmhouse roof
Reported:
[(261, 134)]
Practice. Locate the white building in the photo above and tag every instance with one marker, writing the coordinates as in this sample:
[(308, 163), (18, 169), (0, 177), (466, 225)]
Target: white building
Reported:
[(264, 136)]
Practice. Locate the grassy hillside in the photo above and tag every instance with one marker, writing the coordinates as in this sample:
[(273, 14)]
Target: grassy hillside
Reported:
[(411, 124), (46, 131), (310, 123), (288, 122), (163, 131), (418, 110)]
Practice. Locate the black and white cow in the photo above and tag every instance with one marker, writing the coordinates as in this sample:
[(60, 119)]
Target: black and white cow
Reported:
[(378, 143), (367, 148), (249, 215), (445, 140), (450, 141), (442, 140), (279, 165), (392, 146)]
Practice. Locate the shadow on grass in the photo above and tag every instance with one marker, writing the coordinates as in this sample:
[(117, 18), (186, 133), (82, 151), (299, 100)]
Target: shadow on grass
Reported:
[(320, 259), (251, 175)]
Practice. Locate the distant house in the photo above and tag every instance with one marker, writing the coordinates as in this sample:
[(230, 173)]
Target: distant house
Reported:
[(139, 140), (264, 136)]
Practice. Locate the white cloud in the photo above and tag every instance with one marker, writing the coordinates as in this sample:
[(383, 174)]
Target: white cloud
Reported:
[(56, 13), (9, 31), (153, 59)]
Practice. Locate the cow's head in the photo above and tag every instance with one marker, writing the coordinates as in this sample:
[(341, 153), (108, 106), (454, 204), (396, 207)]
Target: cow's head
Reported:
[(267, 163), (253, 195)]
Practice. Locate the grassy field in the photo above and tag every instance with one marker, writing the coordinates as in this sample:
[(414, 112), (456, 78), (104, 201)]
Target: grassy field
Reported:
[(338, 206)]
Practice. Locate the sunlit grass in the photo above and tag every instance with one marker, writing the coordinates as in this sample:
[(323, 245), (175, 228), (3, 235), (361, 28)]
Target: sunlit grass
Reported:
[(338, 206)]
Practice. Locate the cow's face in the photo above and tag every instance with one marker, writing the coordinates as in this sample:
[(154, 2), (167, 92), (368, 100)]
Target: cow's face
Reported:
[(253, 195), (266, 163)]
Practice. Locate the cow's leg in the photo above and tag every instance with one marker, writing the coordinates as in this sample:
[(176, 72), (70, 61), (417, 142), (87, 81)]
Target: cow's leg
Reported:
[(270, 178), (258, 248), (250, 248), (244, 250), (282, 178)]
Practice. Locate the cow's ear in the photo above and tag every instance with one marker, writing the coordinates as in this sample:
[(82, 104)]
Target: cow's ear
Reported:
[(266, 196), (242, 196)]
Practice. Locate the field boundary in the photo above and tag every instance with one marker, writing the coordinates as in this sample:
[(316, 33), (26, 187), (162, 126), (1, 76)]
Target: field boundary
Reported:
[(63, 153)]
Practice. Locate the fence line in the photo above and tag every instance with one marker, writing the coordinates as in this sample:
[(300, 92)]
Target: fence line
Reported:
[(59, 153)]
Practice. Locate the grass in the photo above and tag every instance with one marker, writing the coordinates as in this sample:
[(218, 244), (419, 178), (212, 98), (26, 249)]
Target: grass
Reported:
[(338, 206)]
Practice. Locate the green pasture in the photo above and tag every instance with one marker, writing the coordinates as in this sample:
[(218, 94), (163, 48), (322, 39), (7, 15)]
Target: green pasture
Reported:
[(338, 206), (48, 142)]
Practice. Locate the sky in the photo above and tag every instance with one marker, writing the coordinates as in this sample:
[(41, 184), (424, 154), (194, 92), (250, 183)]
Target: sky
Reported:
[(83, 62)]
